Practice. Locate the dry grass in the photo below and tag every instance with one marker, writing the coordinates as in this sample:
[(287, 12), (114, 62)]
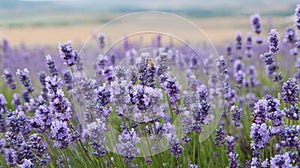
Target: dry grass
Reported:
[(216, 29)]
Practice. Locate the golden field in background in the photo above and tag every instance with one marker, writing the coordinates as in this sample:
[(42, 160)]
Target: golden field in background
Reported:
[(217, 29)]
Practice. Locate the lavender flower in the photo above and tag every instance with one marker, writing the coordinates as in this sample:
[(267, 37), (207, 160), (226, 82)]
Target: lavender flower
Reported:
[(16, 101), (173, 142), (120, 73), (193, 166), (172, 88), (259, 40), (297, 43), (297, 64), (27, 164), (297, 14), (290, 36), (3, 109), (274, 112), (283, 161), (290, 137), (248, 45), (10, 157), (95, 133), (203, 93), (187, 125), (268, 58), (51, 66), (44, 90), (24, 78), (60, 105), (248, 164), (24, 151), (102, 62), (238, 65), (228, 50), (260, 111), (236, 116), (271, 67), (60, 134), (162, 66), (294, 51), (43, 117), (201, 115), (108, 74), (240, 78), (252, 80), (9, 79), (256, 25), (220, 136), (292, 112), (146, 104), (62, 161), (229, 144), (26, 96), (260, 135), (17, 122), (222, 68), (147, 71), (69, 55), (132, 55), (68, 79), (3, 103), (38, 147), (149, 161), (127, 146), (101, 39), (238, 40), (233, 157), (103, 96), (290, 91), (294, 157), (112, 59), (5, 45), (273, 41)]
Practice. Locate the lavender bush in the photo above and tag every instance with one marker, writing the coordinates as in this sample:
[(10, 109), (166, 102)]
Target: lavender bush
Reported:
[(153, 108)]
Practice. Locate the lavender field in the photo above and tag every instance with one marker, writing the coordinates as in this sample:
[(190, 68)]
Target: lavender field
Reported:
[(146, 97)]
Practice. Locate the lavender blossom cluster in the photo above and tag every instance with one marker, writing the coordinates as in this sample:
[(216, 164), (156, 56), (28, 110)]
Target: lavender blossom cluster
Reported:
[(69, 116)]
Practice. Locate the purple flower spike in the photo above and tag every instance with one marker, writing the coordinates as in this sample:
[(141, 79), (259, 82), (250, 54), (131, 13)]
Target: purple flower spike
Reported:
[(68, 54), (220, 136), (172, 88), (290, 91), (238, 40), (101, 39), (24, 78), (51, 66), (174, 144), (256, 25), (260, 111), (260, 135), (290, 35), (240, 78), (274, 112), (60, 134), (9, 79), (297, 14), (236, 116), (292, 112), (290, 137), (233, 157), (283, 161), (128, 141), (273, 41)]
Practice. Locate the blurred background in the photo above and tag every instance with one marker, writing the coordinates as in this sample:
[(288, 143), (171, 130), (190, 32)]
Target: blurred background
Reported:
[(41, 22)]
